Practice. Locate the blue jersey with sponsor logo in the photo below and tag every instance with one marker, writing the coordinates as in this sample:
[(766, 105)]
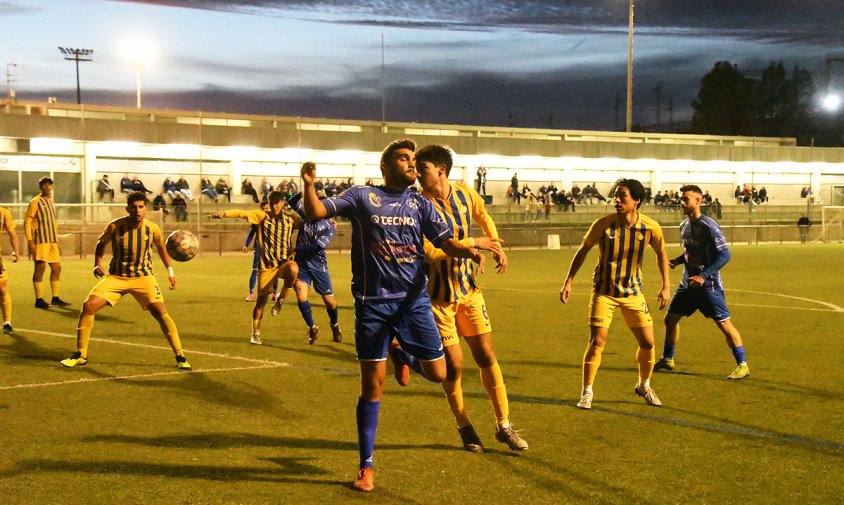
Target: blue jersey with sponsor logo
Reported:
[(705, 251), (313, 238), (387, 240)]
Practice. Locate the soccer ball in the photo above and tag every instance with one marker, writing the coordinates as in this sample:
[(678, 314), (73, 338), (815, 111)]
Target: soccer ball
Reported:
[(182, 245)]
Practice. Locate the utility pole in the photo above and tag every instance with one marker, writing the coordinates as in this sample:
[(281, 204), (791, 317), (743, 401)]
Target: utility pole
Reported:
[(77, 55), (9, 79), (629, 121)]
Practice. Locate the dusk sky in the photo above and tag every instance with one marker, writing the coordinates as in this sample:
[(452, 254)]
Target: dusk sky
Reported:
[(533, 63)]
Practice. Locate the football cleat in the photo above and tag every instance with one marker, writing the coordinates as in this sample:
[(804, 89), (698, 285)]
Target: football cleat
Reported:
[(313, 332), (58, 302), (585, 402), (7, 328), (400, 369), (75, 359), (182, 363), (276, 307), (648, 394), (470, 439), (338, 335), (664, 364), (364, 480), (256, 339), (41, 304), (511, 437), (740, 372)]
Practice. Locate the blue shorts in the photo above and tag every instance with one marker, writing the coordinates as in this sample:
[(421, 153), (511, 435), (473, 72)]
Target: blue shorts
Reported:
[(319, 278), (410, 321), (710, 302)]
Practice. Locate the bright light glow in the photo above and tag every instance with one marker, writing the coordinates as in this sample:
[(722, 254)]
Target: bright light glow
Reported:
[(51, 146), (832, 102), (138, 53)]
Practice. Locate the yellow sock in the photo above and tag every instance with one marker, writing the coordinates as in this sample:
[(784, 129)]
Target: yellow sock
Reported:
[(591, 363), (168, 326), (55, 287), (493, 382), (83, 333), (256, 326), (39, 289), (646, 359), (454, 395), (6, 308)]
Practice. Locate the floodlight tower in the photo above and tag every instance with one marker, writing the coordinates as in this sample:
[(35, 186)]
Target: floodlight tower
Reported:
[(77, 55), (629, 121)]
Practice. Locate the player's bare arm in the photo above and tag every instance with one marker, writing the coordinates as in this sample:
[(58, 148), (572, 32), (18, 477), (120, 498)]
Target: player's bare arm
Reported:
[(13, 239), (99, 272), (165, 258), (312, 205), (576, 263), (665, 292), (457, 250)]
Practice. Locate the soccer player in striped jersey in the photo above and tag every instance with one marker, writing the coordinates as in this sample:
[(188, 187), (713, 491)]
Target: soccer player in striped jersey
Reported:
[(705, 254), (274, 241), (256, 260), (458, 304), (388, 279), (8, 223), (132, 239), (311, 241), (617, 284), (43, 242)]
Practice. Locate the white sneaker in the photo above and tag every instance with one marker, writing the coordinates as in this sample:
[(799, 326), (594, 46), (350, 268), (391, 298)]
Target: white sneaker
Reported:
[(256, 339), (648, 394), (585, 401), (276, 307)]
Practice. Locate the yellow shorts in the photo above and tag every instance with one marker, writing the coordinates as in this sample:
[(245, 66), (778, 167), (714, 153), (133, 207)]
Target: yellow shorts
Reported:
[(48, 252), (268, 276), (463, 318), (633, 308), (113, 287)]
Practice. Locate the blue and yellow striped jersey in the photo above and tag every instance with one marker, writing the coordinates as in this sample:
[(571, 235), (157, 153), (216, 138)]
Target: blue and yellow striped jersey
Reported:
[(274, 240), (131, 248), (6, 221), (40, 221), (621, 248), (451, 279)]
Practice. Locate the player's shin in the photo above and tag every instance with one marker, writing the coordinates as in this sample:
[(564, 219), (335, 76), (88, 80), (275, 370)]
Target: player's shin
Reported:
[(493, 382), (83, 333), (646, 359), (591, 363)]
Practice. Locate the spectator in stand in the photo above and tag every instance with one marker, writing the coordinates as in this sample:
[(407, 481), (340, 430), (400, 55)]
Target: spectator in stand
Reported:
[(126, 184), (514, 189), (576, 195), (598, 194), (104, 188), (170, 188), (138, 185), (331, 189), (803, 224), (648, 196), (659, 200), (746, 194), (208, 189), (184, 188), (737, 194), (707, 198), (319, 187), (222, 188), (546, 203), (481, 180), (180, 207), (160, 204), (805, 192), (247, 188), (266, 188), (716, 206), (763, 195)]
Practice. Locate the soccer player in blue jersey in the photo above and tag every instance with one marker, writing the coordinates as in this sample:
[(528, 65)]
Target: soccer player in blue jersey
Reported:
[(132, 239), (617, 284), (43, 241), (458, 303), (274, 238), (8, 223), (388, 279), (311, 242), (705, 254)]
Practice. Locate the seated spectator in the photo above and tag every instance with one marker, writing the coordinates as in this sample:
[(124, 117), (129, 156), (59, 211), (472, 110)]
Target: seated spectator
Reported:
[(707, 198), (266, 188), (762, 197), (737, 195), (575, 193), (246, 188), (126, 184), (180, 207), (159, 203), (222, 188), (331, 189), (138, 185), (184, 188), (104, 188), (208, 190), (170, 188)]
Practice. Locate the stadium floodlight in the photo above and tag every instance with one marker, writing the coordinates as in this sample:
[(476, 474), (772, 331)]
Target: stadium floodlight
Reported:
[(77, 55), (831, 102), (629, 115), (139, 55)]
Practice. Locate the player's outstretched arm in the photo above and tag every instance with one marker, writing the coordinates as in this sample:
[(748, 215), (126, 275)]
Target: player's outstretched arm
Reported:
[(165, 258), (457, 250), (576, 263), (311, 204)]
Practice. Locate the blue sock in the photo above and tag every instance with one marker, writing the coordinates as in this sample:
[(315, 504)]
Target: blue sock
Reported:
[(253, 279), (367, 418), (307, 315), (738, 354), (332, 315), (667, 351)]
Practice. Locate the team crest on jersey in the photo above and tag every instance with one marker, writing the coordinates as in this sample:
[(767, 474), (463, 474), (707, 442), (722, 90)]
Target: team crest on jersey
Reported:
[(374, 200), (640, 236), (412, 204)]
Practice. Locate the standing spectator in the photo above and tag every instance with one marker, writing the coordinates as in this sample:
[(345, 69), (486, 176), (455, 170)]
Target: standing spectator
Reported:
[(208, 189), (222, 188), (481, 180), (266, 188), (514, 189), (184, 188), (126, 184), (160, 204), (180, 207), (170, 188), (138, 185), (546, 202), (104, 188), (247, 189), (43, 241), (716, 205), (803, 224)]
